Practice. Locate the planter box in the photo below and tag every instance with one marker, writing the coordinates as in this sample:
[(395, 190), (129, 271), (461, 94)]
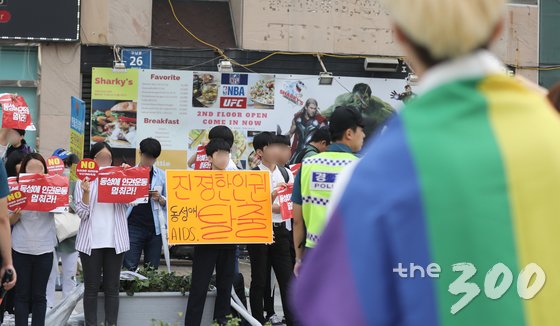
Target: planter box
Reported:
[(142, 308)]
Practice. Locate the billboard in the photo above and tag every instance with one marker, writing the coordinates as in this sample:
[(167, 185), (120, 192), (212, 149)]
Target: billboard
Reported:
[(39, 20)]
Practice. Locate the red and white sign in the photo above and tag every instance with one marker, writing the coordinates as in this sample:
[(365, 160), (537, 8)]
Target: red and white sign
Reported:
[(233, 102), (16, 199), (55, 165), (87, 168), (45, 193), (13, 183), (123, 186), (285, 199), (15, 112), (202, 162), (295, 168)]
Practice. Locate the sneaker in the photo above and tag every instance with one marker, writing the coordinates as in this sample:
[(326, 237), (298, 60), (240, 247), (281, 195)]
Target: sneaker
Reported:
[(275, 320)]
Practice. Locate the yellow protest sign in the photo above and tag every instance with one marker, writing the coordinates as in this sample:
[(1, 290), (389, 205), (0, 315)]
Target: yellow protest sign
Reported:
[(218, 207)]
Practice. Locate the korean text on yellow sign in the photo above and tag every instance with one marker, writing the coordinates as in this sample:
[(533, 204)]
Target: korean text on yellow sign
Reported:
[(218, 207)]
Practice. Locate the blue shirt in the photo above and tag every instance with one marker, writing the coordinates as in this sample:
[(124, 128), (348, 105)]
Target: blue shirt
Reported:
[(296, 192), (158, 180)]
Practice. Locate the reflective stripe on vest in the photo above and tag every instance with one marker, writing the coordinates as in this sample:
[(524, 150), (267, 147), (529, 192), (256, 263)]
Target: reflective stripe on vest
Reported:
[(318, 175)]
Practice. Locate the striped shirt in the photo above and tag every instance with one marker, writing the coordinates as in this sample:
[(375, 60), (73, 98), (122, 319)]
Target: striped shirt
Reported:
[(85, 234)]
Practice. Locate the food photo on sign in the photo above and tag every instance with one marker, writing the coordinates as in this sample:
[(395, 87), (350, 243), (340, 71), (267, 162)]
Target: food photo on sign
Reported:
[(198, 138), (114, 122)]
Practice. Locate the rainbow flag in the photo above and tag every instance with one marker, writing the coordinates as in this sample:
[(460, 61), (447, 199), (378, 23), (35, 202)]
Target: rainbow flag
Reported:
[(468, 173)]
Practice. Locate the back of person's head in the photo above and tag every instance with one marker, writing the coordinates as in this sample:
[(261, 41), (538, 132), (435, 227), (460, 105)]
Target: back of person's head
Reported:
[(281, 140), (446, 29), (216, 145), (222, 132), (554, 96), (342, 119), (263, 140), (33, 156), (320, 135), (98, 147), (150, 147), (13, 160)]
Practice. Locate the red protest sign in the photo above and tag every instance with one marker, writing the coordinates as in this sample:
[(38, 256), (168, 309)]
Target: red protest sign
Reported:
[(45, 193), (123, 186), (55, 165), (13, 183), (295, 168), (15, 112), (285, 199), (16, 199), (87, 168), (202, 162)]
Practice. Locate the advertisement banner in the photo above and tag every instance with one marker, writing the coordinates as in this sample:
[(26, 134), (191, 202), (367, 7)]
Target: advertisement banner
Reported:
[(123, 186), (114, 101), (163, 103), (77, 130), (243, 102), (45, 193), (307, 105), (178, 108), (218, 207)]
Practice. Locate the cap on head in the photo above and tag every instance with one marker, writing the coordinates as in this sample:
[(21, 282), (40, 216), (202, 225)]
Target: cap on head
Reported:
[(447, 28), (68, 157)]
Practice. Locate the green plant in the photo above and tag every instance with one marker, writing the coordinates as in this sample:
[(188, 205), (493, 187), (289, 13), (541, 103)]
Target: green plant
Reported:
[(162, 323), (230, 321), (157, 282)]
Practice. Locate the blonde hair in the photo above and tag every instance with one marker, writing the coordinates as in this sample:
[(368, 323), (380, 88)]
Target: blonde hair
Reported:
[(447, 28)]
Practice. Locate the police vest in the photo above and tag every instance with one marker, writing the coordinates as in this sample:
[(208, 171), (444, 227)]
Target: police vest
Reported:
[(318, 174)]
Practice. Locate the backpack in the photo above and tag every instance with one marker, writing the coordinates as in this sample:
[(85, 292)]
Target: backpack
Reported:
[(299, 157)]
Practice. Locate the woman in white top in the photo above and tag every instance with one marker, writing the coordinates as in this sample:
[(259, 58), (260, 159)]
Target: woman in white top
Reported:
[(33, 242), (102, 241)]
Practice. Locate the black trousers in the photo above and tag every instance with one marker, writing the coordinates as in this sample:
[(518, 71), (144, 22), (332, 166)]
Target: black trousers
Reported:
[(31, 289), (206, 257), (104, 261), (278, 254), (269, 292)]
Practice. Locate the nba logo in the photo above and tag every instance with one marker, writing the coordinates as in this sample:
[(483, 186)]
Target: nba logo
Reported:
[(234, 79)]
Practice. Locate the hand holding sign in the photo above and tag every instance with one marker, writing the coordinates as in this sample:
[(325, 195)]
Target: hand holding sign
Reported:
[(87, 169)]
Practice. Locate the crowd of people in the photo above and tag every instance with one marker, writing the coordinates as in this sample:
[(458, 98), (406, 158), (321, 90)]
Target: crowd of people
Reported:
[(113, 237), (445, 180)]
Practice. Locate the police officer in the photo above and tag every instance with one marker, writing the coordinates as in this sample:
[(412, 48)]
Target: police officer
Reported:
[(315, 180)]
